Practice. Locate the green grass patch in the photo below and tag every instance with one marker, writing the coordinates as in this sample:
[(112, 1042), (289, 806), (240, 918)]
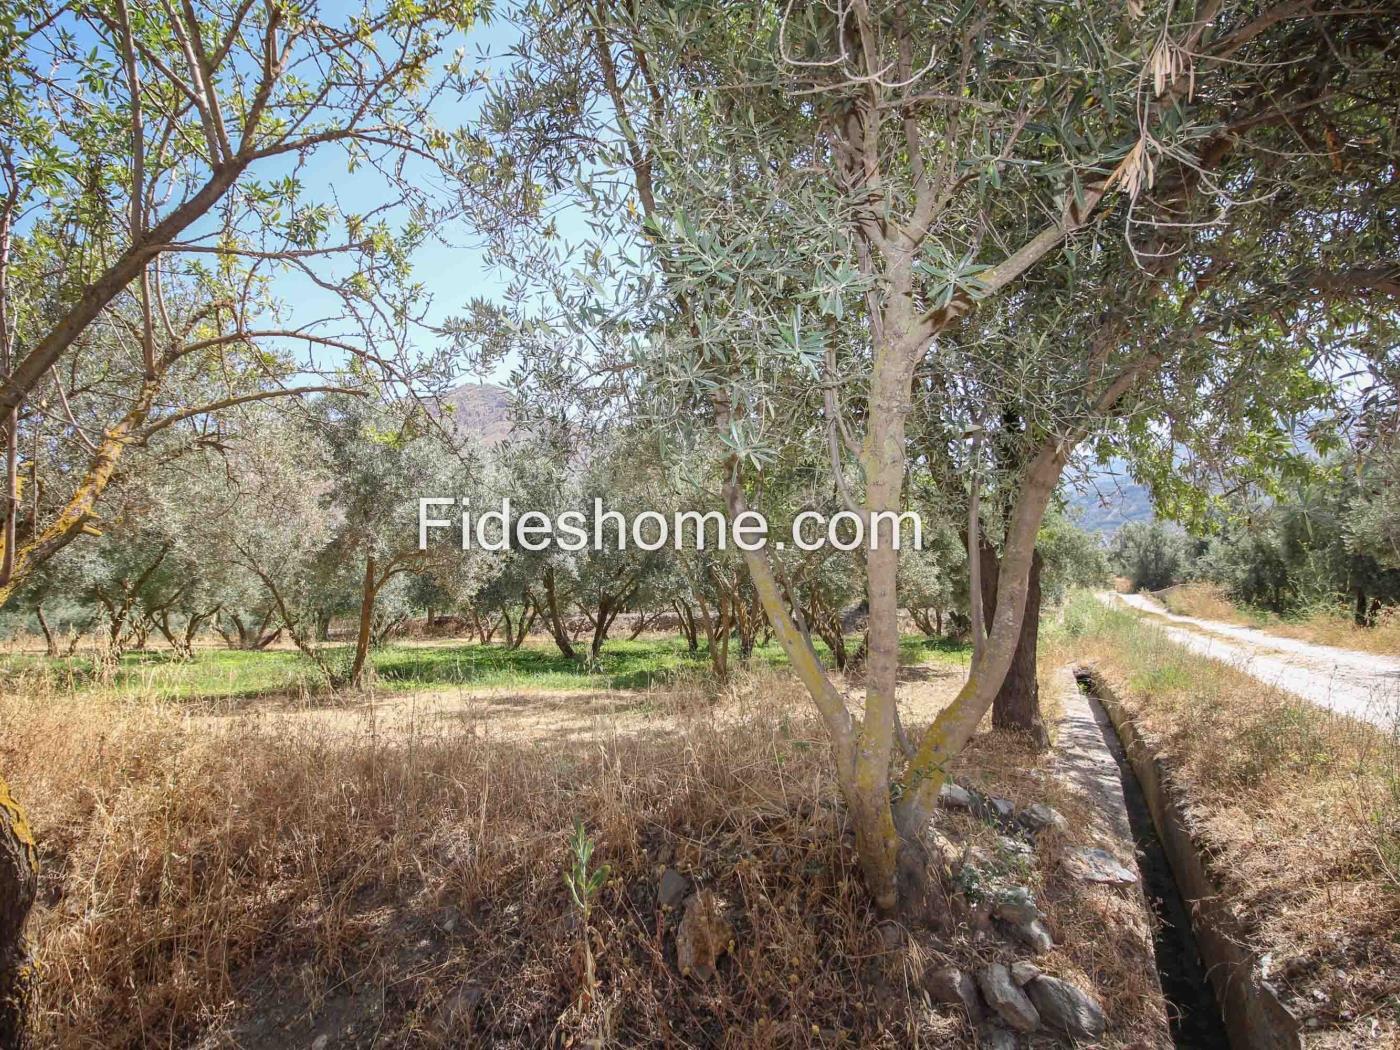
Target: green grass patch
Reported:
[(228, 674)]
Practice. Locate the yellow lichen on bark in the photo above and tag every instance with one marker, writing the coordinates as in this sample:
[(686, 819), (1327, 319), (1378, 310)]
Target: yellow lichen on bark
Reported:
[(18, 822)]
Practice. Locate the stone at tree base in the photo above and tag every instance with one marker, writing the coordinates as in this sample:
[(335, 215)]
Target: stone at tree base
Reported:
[(1063, 1006), (944, 848), (1016, 906), (1092, 864), (704, 935), (995, 1037), (951, 796), (672, 888), (1023, 972), (1014, 847), (1009, 1002), (1036, 937), (950, 986), (1000, 810), (1039, 817)]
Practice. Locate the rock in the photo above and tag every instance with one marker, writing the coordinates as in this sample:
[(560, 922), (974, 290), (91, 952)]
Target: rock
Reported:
[(995, 1037), (458, 1010), (321, 1042), (1009, 1002), (891, 935), (1023, 972), (1092, 864), (704, 935), (949, 986), (1063, 1006), (1036, 937), (975, 914), (1016, 906), (1039, 817), (1000, 810), (943, 847), (951, 796), (672, 888), (1014, 849)]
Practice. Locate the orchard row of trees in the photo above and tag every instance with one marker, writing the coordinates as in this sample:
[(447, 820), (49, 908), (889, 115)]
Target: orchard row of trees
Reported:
[(1330, 541), (301, 520)]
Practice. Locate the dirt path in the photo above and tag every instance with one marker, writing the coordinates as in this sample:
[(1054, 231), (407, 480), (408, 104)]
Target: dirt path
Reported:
[(1363, 685)]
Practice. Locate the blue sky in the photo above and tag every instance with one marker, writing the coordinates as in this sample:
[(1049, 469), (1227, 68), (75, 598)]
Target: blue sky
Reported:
[(451, 267)]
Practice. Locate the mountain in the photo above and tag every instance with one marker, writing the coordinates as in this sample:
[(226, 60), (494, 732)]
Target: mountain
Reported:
[(481, 410), (1106, 501)]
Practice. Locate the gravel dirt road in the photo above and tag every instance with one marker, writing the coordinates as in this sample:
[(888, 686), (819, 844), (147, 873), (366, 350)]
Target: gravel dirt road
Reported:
[(1363, 685)]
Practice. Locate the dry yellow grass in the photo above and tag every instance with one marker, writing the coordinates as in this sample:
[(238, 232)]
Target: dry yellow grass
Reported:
[(269, 880), (1206, 601), (1297, 809), (1336, 627)]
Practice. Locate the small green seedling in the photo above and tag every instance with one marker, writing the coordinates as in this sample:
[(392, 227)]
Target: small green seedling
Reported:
[(584, 886)]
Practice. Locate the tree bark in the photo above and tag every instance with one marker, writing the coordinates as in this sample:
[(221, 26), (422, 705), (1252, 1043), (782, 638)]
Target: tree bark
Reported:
[(77, 514), (557, 627), (19, 883), (1017, 703), (50, 642), (955, 725), (689, 631), (362, 638)]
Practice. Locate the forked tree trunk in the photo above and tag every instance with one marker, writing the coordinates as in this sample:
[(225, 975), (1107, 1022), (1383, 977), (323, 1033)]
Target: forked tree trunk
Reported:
[(1017, 703), (688, 627), (717, 630), (516, 633), (608, 610), (643, 622), (600, 631), (19, 882), (557, 627)]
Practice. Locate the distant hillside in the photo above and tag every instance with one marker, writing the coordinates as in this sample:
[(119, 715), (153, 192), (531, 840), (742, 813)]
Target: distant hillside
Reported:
[(481, 410), (1107, 502)]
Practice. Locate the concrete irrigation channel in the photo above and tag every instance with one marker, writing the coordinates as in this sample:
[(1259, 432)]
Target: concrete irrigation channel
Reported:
[(1211, 980)]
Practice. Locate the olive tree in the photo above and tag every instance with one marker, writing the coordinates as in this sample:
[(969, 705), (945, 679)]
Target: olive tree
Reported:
[(159, 165), (782, 262)]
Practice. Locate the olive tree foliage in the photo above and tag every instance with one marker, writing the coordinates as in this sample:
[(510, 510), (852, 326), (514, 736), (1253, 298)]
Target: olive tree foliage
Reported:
[(265, 515), (622, 477), (1074, 558), (1152, 555), (1373, 522), (1307, 549), (799, 210), (380, 460), (160, 165)]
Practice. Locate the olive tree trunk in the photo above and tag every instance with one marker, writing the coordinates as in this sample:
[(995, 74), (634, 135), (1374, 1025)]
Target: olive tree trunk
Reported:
[(1016, 705), (368, 592), (19, 882)]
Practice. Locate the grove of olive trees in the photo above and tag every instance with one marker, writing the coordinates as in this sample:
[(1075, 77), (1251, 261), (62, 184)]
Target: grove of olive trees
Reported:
[(851, 259)]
